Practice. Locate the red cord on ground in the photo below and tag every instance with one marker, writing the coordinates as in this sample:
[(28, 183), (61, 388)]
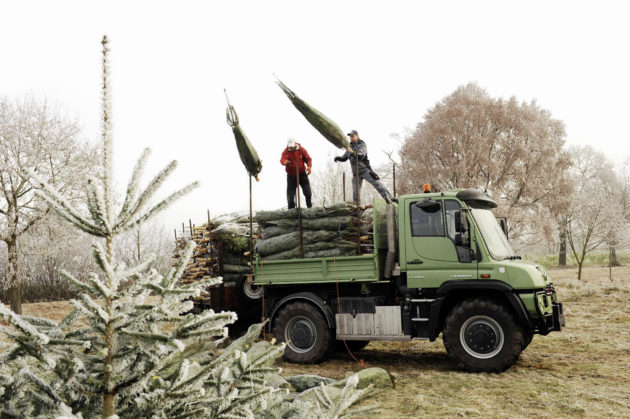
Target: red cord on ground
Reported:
[(343, 328)]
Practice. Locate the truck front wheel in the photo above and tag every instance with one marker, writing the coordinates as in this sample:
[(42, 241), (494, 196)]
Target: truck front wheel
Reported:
[(482, 336), (305, 330)]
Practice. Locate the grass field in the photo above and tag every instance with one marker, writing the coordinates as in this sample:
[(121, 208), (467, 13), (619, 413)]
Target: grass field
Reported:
[(582, 371)]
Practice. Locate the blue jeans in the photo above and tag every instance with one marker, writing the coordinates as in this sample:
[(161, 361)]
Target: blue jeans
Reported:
[(378, 185)]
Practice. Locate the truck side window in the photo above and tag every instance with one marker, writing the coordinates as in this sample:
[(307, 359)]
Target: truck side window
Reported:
[(424, 223)]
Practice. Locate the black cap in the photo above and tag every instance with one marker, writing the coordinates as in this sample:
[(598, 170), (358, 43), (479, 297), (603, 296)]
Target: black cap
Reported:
[(353, 132)]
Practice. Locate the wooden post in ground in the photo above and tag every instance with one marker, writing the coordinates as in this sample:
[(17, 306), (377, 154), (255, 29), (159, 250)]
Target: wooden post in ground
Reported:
[(299, 206), (356, 175), (394, 180), (251, 230)]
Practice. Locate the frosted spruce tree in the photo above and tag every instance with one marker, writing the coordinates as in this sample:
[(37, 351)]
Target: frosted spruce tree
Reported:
[(130, 348)]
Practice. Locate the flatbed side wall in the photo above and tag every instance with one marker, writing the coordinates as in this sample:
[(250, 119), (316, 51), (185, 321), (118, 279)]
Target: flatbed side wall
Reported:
[(362, 268)]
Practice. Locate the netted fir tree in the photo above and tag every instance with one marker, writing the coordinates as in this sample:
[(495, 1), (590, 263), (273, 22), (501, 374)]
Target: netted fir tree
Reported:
[(131, 347)]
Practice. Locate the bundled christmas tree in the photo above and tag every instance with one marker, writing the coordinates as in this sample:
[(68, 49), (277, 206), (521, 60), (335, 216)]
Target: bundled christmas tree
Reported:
[(128, 349)]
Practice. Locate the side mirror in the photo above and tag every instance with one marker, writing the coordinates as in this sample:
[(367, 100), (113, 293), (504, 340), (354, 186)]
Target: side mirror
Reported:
[(462, 236), (504, 226), (461, 222)]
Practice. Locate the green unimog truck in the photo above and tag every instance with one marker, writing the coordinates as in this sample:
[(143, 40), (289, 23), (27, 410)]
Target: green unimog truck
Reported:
[(442, 263)]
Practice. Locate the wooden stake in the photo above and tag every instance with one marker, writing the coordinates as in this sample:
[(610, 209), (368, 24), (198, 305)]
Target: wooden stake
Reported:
[(299, 207), (394, 181), (356, 175), (251, 230)]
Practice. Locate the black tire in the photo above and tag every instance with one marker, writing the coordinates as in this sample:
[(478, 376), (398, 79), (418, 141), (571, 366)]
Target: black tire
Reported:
[(528, 335), (305, 330), (482, 336), (247, 290), (353, 345)]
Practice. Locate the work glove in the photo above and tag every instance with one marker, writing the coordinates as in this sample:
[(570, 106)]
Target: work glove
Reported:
[(337, 159)]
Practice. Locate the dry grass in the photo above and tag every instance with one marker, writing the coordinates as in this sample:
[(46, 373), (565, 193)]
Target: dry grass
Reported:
[(582, 371)]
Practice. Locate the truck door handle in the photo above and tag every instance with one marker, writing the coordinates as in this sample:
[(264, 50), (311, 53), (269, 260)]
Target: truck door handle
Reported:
[(415, 262)]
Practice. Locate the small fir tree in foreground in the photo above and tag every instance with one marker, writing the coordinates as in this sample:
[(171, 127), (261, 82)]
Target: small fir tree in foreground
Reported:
[(131, 347)]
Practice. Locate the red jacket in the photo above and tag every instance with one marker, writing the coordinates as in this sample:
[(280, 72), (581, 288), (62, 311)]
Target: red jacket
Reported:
[(290, 156)]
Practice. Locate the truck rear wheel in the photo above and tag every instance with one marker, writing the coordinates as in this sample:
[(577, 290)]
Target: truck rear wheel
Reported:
[(482, 336), (305, 330)]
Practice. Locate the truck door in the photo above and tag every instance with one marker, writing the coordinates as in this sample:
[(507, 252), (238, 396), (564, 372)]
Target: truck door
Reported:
[(431, 252)]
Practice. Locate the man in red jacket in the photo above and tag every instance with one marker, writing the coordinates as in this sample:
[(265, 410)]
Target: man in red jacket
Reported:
[(292, 154)]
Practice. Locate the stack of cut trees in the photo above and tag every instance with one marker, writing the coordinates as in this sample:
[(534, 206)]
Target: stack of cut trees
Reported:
[(222, 246), (326, 232)]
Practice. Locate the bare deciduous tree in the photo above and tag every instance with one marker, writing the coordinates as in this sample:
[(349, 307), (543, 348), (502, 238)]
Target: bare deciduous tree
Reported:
[(36, 137), (46, 249), (595, 214), (141, 242), (513, 149), (328, 183)]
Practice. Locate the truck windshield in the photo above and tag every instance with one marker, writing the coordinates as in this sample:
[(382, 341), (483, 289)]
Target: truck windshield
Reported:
[(492, 234)]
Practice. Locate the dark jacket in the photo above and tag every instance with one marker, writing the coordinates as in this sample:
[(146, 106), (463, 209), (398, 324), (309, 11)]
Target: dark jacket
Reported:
[(303, 159), (360, 149)]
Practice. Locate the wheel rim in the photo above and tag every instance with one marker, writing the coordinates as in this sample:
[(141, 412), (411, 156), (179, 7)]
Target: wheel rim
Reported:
[(300, 334), (482, 337), (252, 291)]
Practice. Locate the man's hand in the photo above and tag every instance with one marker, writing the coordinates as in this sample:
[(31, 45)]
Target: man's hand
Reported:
[(286, 162), (308, 171), (337, 159)]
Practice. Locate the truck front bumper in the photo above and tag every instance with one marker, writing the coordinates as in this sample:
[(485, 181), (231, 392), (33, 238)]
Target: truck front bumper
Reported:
[(553, 322)]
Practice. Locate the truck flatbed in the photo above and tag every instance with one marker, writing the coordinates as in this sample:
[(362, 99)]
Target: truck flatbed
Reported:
[(357, 269)]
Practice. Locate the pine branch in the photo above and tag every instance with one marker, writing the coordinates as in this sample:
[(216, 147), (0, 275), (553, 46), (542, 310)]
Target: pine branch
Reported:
[(81, 285), (134, 185), (98, 207), (164, 204), (150, 190), (91, 308), (17, 322)]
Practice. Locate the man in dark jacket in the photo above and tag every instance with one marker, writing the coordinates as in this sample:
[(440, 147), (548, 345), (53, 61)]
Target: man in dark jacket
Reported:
[(359, 151), (294, 155)]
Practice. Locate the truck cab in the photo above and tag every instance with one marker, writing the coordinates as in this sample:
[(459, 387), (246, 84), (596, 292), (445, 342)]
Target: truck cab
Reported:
[(442, 264)]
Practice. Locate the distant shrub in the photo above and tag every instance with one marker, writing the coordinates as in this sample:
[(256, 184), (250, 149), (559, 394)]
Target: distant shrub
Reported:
[(593, 259)]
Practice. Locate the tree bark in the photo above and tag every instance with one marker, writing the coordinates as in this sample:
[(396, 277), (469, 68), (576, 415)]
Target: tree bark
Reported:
[(562, 255), (580, 270), (613, 257), (15, 289)]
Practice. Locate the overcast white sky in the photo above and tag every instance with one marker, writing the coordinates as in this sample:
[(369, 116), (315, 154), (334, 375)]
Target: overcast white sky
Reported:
[(376, 67)]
